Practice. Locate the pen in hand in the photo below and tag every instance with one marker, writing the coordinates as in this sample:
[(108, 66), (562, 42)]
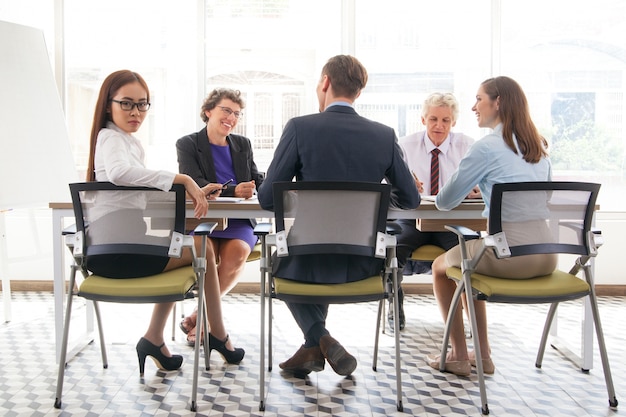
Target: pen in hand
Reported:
[(418, 183), (223, 186)]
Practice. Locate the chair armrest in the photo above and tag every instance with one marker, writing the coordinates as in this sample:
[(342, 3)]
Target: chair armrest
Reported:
[(595, 240), (465, 232), (263, 229), (204, 229)]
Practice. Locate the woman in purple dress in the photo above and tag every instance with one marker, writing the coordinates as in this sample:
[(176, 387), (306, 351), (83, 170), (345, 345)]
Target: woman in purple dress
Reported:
[(214, 154)]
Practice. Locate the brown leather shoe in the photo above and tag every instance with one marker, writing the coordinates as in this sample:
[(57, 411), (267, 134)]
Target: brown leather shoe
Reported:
[(304, 361), (341, 361)]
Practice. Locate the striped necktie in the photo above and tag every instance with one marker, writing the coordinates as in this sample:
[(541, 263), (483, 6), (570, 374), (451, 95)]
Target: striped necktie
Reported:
[(434, 171)]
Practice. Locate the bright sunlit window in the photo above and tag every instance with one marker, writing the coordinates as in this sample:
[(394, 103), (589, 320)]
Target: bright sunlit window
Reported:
[(568, 55)]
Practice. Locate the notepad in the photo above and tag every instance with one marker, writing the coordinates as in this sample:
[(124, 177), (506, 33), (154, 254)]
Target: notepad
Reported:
[(467, 200), (226, 200)]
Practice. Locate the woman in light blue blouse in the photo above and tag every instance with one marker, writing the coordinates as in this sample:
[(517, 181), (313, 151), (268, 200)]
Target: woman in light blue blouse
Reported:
[(514, 151)]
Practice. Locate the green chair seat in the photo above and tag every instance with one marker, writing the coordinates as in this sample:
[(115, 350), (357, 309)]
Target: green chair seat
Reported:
[(369, 286), (167, 286), (255, 255), (558, 285), (427, 253)]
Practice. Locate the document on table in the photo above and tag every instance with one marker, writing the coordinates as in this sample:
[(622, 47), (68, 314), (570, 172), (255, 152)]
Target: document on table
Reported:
[(467, 200), (226, 200)]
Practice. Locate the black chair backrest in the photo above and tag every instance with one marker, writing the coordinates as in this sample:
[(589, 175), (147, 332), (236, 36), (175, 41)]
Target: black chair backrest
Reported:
[(544, 217), (331, 217), (127, 220)]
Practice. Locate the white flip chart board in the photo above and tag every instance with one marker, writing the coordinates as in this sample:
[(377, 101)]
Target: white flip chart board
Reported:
[(36, 163)]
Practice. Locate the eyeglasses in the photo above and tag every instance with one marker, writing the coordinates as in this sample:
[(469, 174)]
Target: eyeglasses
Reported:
[(230, 111), (129, 105)]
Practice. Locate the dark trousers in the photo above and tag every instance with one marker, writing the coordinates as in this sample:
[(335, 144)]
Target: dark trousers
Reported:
[(308, 315), (410, 239)]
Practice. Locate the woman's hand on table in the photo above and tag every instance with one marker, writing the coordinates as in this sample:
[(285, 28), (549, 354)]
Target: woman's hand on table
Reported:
[(245, 189)]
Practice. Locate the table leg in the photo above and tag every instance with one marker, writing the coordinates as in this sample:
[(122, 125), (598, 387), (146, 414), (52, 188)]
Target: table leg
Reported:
[(4, 270)]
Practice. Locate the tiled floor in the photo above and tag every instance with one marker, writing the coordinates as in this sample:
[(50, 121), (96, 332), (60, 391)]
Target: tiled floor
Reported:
[(28, 372)]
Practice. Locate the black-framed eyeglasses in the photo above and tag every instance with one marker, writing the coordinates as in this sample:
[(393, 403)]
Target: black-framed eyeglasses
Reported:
[(129, 105), (228, 111)]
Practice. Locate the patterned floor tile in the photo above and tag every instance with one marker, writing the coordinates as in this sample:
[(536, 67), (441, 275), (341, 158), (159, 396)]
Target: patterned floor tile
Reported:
[(518, 388)]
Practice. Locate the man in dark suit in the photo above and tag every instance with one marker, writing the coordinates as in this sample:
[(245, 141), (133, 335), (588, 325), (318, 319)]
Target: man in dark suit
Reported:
[(334, 145)]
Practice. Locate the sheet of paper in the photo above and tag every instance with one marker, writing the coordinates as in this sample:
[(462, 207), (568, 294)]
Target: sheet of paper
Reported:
[(226, 200), (467, 200)]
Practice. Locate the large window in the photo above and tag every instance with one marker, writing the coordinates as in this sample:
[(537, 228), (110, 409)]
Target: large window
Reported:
[(271, 50), (414, 48), (568, 55)]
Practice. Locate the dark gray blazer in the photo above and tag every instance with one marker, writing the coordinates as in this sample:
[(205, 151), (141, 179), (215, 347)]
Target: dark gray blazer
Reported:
[(337, 145), (196, 160)]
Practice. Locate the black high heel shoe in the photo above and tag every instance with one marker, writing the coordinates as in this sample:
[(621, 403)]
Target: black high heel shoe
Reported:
[(230, 356), (166, 363)]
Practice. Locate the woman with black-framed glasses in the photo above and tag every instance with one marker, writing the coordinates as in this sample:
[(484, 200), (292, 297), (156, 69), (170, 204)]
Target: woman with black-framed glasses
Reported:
[(115, 155)]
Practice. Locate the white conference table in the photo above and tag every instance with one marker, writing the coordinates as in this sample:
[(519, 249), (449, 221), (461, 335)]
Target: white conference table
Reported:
[(469, 214)]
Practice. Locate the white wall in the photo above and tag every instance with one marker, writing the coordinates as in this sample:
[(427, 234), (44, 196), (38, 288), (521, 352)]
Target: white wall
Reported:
[(29, 241)]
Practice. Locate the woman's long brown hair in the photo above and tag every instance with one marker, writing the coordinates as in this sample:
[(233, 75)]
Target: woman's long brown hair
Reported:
[(101, 116), (515, 116)]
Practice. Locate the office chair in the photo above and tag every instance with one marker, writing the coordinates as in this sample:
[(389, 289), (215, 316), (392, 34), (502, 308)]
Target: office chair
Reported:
[(559, 215), (329, 218), (133, 223)]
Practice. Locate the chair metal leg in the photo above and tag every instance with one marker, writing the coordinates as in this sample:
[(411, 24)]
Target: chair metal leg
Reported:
[(396, 330), (546, 333), (262, 292), (270, 333), (456, 299), (600, 335), (382, 313), (174, 322), (204, 336), (66, 331), (200, 274), (477, 353), (379, 318), (103, 349), (196, 351), (262, 347)]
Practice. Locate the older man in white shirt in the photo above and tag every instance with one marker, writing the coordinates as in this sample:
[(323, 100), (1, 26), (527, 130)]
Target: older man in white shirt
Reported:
[(432, 155)]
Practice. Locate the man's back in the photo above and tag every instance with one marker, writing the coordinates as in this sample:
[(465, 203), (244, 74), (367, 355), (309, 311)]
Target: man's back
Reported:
[(337, 145), (334, 145), (340, 145)]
